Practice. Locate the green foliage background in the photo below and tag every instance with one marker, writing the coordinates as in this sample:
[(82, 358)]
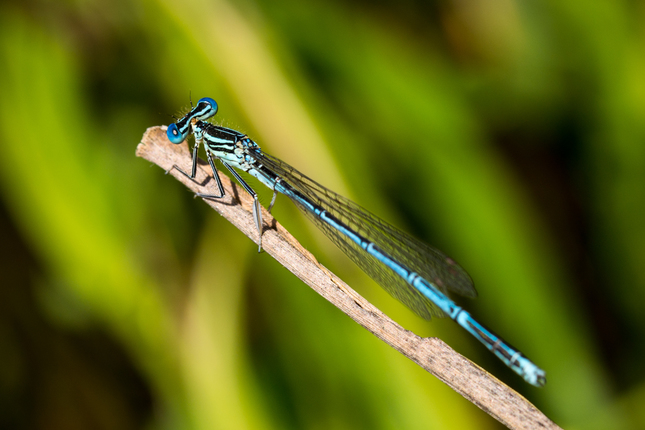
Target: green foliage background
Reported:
[(508, 133)]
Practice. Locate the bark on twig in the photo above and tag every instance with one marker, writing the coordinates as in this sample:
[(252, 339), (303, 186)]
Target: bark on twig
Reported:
[(459, 373)]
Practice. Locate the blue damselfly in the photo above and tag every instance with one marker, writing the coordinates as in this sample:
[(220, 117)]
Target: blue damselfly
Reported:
[(418, 275)]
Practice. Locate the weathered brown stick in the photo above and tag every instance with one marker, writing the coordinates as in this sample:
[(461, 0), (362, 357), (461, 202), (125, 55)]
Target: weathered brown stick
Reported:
[(459, 373)]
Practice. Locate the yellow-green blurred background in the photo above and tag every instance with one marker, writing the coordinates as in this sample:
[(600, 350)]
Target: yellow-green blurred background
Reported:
[(510, 134)]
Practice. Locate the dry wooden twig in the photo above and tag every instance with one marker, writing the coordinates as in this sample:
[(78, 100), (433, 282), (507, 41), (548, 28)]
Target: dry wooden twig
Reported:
[(432, 354)]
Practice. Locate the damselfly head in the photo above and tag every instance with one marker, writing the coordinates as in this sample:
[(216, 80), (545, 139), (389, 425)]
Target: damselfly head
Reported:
[(178, 131)]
